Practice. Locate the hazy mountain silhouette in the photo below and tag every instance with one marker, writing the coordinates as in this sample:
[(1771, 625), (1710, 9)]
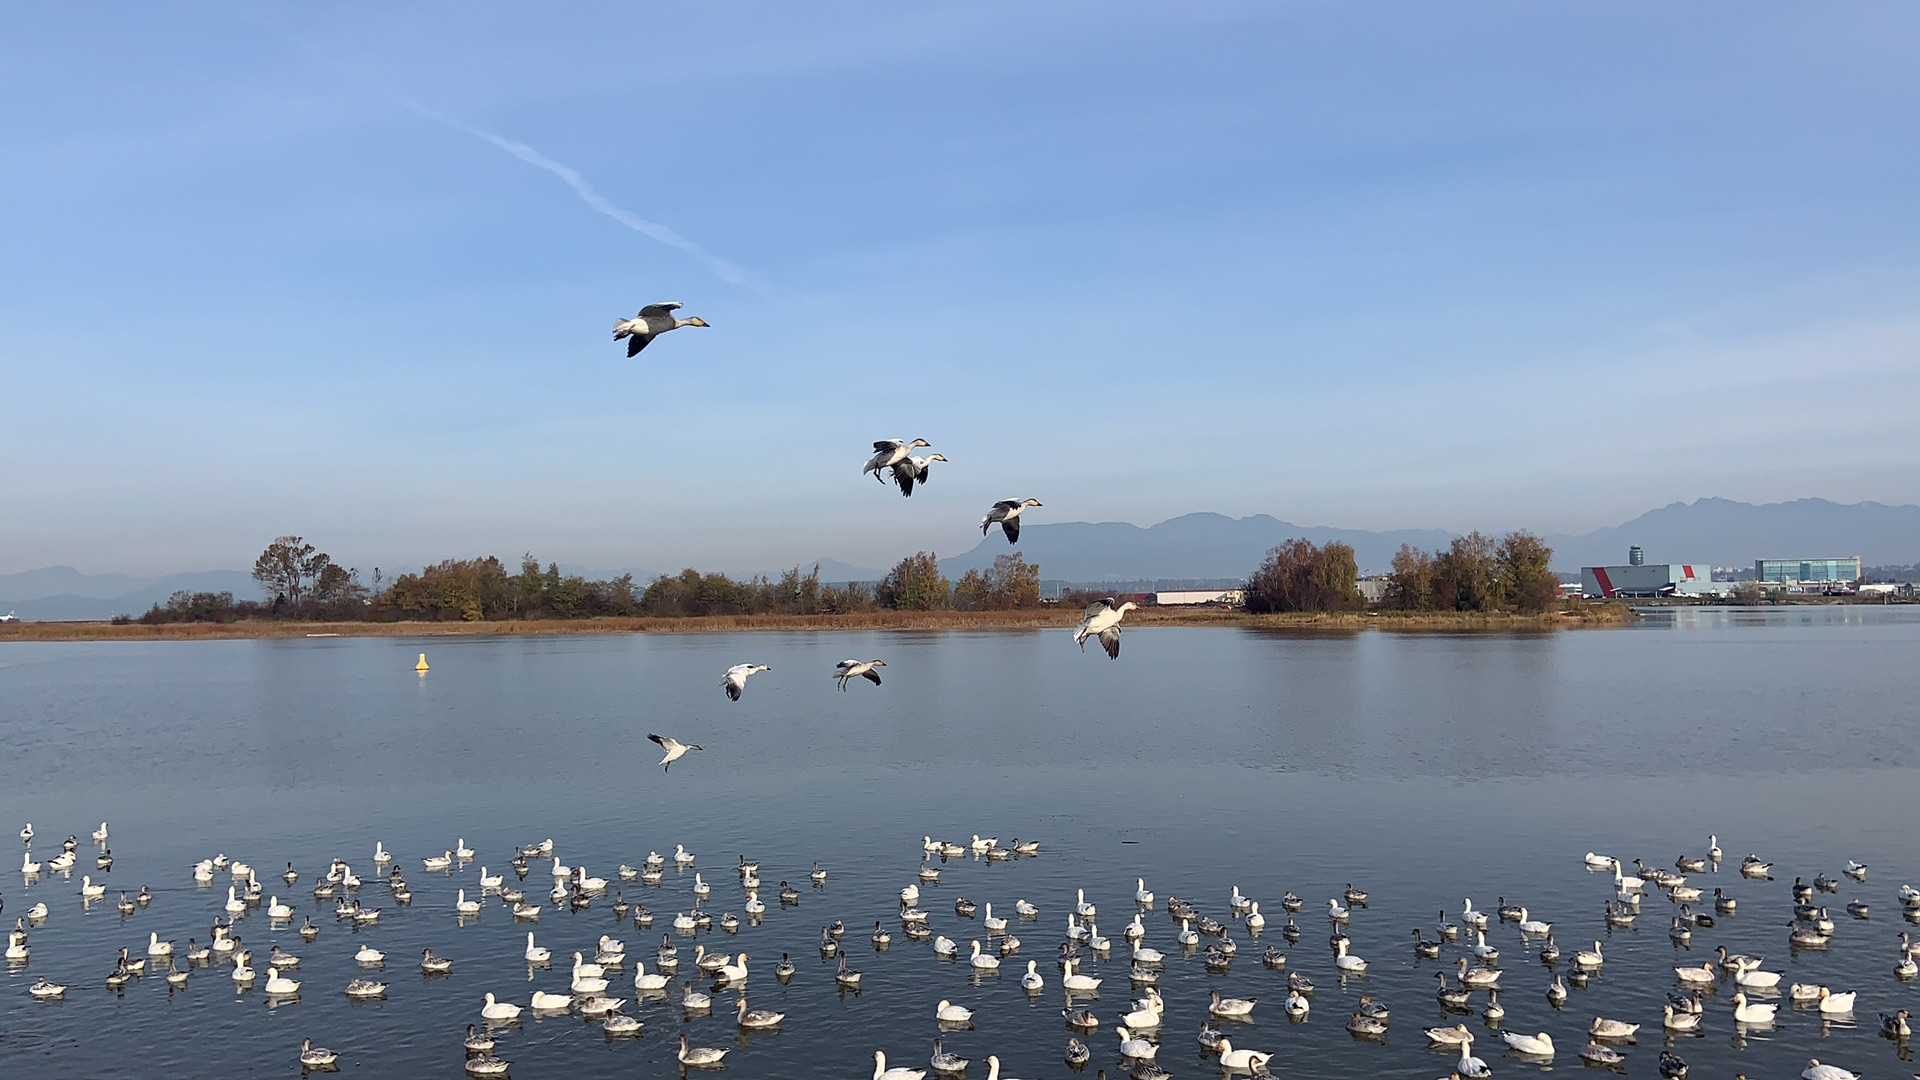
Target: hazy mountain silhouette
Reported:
[(61, 592), (1727, 533), (1191, 546), (1719, 532)]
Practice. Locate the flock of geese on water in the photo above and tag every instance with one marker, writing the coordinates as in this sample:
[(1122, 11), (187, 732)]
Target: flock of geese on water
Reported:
[(1137, 1029)]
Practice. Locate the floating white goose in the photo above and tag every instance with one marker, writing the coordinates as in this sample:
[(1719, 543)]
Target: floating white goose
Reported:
[(1752, 1014), (1076, 982), (1831, 1002), (1006, 513), (881, 1072), (1537, 1046), (1817, 1071), (367, 954), (848, 670), (279, 985), (948, 1013), (1136, 1049), (1755, 979), (545, 1002), (1352, 965), (1470, 917), (100, 834), (278, 910), (438, 862), (1241, 1060), (681, 856), (1696, 976), (1032, 981), (982, 961), (464, 906), (646, 983), (675, 750), (94, 892), (1468, 1065), (1102, 621), (887, 453), (156, 947), (652, 321), (735, 682), (734, 972)]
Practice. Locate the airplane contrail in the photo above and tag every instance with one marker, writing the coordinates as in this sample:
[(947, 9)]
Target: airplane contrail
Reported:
[(727, 271)]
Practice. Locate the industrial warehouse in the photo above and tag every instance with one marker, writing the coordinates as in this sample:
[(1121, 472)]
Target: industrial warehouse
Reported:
[(1639, 579)]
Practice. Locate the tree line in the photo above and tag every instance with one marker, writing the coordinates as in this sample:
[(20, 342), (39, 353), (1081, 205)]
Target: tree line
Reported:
[(305, 583), (1473, 573)]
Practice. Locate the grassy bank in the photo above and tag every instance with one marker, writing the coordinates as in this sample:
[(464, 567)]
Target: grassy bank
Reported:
[(1441, 621)]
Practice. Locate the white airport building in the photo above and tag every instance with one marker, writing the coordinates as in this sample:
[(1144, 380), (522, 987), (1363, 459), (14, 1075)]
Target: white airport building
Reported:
[(1640, 579)]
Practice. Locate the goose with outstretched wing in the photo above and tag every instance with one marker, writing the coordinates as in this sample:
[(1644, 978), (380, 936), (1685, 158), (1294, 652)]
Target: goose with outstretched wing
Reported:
[(913, 471), (1006, 513), (653, 320), (1103, 622), (890, 452)]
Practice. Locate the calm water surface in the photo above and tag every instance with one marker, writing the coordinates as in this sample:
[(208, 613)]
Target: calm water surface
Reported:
[(1424, 768)]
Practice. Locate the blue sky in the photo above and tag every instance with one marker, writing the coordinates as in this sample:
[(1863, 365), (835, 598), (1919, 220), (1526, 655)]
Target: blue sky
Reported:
[(273, 269)]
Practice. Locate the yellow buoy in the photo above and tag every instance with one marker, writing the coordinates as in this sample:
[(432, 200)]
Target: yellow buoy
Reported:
[(421, 667)]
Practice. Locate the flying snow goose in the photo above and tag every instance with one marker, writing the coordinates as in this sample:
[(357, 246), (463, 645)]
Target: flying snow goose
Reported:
[(914, 470), (735, 683), (1102, 621), (1006, 513), (847, 670), (890, 452), (653, 320), (674, 748)]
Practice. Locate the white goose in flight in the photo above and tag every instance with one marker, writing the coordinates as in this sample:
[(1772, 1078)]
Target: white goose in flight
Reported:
[(914, 470), (653, 320), (890, 452), (675, 750), (1103, 622), (847, 670), (1007, 512), (736, 681)]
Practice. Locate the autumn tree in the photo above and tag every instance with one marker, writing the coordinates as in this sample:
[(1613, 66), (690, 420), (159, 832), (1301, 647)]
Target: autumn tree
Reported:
[(286, 567), (1300, 575), (1410, 585), (1522, 567), (915, 584), (1465, 575), (1012, 582)]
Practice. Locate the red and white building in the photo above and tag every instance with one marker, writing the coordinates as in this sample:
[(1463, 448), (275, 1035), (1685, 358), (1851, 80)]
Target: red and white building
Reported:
[(1649, 579)]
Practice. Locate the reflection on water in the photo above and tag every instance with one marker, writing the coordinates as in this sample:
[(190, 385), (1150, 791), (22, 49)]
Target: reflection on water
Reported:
[(1426, 768)]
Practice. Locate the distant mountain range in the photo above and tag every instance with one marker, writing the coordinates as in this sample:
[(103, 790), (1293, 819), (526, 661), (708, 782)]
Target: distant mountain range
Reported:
[(61, 592), (1719, 532), (1191, 546), (1727, 533)]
